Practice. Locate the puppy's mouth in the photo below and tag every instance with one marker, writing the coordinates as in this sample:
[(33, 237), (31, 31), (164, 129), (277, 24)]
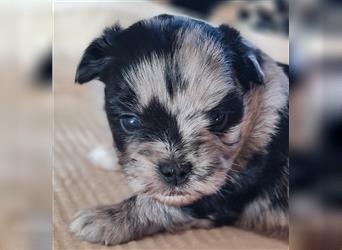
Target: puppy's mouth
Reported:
[(177, 200), (178, 196)]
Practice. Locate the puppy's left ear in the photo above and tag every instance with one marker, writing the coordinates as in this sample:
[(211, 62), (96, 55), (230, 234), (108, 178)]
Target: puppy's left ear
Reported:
[(246, 60), (97, 56)]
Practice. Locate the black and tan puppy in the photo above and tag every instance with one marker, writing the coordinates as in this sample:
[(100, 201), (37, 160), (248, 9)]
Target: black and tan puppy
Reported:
[(199, 118)]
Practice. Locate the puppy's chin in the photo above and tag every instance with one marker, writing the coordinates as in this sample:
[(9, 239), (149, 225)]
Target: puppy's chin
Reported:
[(177, 200)]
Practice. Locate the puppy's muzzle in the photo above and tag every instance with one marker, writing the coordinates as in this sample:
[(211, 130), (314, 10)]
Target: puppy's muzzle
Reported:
[(173, 173)]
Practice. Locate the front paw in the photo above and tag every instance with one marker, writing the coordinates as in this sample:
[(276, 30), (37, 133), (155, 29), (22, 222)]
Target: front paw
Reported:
[(99, 225)]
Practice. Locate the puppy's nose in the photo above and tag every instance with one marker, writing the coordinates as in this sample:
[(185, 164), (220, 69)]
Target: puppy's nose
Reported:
[(173, 173)]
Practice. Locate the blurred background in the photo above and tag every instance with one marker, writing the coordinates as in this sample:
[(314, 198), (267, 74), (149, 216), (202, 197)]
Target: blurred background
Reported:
[(316, 124), (31, 31), (26, 126)]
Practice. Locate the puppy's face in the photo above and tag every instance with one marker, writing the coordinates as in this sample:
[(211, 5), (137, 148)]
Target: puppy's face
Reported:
[(174, 103)]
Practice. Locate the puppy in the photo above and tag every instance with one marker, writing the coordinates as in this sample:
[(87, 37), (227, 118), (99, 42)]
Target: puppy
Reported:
[(199, 118)]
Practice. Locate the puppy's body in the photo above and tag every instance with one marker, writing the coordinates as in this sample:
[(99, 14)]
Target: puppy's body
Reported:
[(199, 120)]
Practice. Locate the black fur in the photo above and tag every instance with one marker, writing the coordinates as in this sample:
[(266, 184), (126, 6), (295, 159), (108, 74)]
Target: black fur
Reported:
[(232, 105), (154, 118), (246, 70), (97, 56)]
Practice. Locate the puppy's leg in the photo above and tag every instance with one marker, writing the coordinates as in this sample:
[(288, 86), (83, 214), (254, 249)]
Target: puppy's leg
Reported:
[(130, 220)]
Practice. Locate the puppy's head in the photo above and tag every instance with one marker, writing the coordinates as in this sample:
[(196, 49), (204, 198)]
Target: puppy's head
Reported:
[(174, 92)]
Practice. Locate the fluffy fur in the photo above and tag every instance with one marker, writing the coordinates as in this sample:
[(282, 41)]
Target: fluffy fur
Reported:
[(176, 74)]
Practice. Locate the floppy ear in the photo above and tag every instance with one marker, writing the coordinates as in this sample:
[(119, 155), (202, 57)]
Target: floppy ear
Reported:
[(97, 56), (246, 60)]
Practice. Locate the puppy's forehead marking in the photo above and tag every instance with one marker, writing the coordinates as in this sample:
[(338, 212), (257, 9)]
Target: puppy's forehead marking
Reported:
[(146, 78), (193, 76), (202, 64)]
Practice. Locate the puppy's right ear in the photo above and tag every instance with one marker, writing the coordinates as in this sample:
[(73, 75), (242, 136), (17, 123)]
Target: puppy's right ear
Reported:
[(97, 56)]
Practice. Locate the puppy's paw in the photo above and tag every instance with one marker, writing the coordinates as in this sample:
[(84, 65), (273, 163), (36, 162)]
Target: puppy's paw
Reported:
[(99, 225)]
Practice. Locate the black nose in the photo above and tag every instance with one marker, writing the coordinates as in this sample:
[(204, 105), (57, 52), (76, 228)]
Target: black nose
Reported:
[(173, 173)]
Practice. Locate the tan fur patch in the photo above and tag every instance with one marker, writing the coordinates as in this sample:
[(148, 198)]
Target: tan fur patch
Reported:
[(258, 125), (261, 111)]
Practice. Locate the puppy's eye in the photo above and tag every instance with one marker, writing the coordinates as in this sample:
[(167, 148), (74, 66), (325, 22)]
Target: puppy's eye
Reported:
[(219, 121), (130, 123)]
